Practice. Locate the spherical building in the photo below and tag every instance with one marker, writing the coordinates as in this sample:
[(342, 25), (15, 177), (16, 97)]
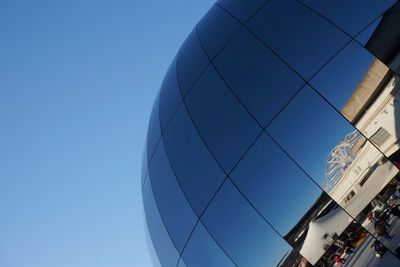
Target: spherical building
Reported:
[(252, 110)]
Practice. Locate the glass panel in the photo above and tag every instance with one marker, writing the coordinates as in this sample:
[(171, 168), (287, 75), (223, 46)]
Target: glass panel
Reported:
[(178, 216), (305, 41), (224, 124), (191, 62), (181, 263), (240, 10), (153, 131), (352, 16), (382, 38), (170, 96), (335, 155), (166, 251), (340, 77), (255, 74), (202, 250), (215, 29), (196, 170), (241, 232), (267, 176), (153, 255)]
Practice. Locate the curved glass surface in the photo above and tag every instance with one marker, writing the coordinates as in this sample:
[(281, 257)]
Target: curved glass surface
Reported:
[(275, 138)]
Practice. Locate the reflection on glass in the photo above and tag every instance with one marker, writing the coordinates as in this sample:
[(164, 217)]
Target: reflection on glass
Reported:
[(166, 251), (202, 250), (144, 166), (191, 62), (352, 16), (196, 170), (305, 40), (279, 190), (347, 166), (177, 215), (170, 96), (241, 232), (222, 121), (153, 131), (381, 38), (256, 75), (215, 29)]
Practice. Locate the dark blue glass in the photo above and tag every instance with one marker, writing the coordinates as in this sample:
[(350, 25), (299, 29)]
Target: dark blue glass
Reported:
[(308, 129), (271, 181), (239, 10), (224, 124), (153, 131), (340, 77), (215, 29), (178, 216), (170, 96), (302, 38), (364, 36), (260, 79), (191, 62), (241, 232), (352, 16), (162, 242), (202, 250), (196, 170)]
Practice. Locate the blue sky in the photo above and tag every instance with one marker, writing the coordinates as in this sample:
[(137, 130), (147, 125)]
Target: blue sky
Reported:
[(77, 82)]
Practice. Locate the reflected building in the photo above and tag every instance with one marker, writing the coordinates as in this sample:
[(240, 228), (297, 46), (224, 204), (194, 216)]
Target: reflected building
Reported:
[(275, 142)]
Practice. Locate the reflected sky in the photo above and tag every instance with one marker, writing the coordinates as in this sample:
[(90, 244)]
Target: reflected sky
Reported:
[(308, 129)]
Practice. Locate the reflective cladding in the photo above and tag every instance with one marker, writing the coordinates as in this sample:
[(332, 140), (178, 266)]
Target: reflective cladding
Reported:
[(241, 232), (191, 62), (274, 140), (341, 76), (153, 131), (305, 41), (202, 250), (166, 251), (196, 170), (215, 29), (256, 74), (177, 215), (170, 96), (224, 124), (239, 10), (267, 175), (382, 38), (352, 16)]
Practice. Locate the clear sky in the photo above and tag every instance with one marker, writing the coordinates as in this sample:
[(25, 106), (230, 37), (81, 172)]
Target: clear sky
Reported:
[(77, 81)]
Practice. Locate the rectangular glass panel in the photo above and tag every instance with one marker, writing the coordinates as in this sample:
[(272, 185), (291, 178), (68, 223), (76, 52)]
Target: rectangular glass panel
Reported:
[(224, 124)]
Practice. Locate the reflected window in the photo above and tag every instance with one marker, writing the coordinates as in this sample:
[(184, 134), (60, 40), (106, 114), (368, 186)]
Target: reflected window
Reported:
[(196, 170), (215, 29), (202, 250), (352, 16), (241, 232), (177, 215), (225, 125), (256, 75), (379, 137), (306, 41), (161, 239)]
